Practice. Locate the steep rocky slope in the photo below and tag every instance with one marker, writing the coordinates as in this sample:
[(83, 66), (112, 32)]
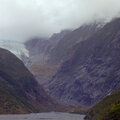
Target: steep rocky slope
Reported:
[(40, 48), (67, 45), (92, 72), (39, 55), (19, 91), (48, 55)]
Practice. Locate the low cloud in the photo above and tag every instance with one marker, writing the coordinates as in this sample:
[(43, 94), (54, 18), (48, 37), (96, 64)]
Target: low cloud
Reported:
[(22, 19)]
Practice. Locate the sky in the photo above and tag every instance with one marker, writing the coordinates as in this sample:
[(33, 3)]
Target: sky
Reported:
[(23, 19)]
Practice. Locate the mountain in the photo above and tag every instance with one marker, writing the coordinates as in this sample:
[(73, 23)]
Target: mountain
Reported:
[(19, 91), (68, 44), (107, 109), (40, 48), (39, 55), (48, 55), (92, 72)]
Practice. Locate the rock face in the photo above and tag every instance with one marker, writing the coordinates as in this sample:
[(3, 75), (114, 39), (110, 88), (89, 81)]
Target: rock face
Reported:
[(19, 91), (92, 72), (47, 55), (68, 44), (40, 48), (39, 56)]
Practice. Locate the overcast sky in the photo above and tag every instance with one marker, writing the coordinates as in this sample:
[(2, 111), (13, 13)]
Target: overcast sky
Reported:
[(22, 19)]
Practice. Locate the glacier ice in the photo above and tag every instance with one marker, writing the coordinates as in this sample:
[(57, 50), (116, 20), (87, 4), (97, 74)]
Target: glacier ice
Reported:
[(16, 47)]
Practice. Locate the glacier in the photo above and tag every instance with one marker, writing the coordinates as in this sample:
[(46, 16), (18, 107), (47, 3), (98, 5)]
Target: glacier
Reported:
[(16, 47)]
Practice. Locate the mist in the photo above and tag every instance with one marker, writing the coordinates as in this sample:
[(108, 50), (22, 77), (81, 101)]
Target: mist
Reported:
[(23, 19)]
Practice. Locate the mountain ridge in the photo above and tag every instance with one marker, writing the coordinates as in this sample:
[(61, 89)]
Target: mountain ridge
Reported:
[(92, 72)]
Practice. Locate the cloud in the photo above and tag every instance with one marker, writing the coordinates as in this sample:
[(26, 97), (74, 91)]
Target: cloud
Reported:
[(22, 19)]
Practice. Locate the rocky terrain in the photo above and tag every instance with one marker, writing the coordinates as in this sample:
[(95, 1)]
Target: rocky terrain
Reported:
[(40, 48), (68, 44), (92, 72), (83, 68), (47, 55), (39, 56)]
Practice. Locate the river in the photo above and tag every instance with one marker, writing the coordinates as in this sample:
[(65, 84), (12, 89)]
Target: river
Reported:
[(43, 116)]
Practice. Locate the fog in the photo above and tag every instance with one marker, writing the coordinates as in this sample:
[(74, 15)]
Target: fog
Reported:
[(23, 19)]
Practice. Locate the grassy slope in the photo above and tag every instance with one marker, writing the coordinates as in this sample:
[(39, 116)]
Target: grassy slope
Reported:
[(107, 109), (12, 74), (19, 91)]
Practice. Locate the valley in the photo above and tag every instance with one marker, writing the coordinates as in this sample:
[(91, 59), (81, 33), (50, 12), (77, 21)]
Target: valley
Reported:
[(59, 61)]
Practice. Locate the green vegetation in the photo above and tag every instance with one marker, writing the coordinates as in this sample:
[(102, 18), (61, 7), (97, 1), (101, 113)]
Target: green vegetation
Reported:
[(107, 45), (15, 81), (114, 113), (107, 109), (19, 91)]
